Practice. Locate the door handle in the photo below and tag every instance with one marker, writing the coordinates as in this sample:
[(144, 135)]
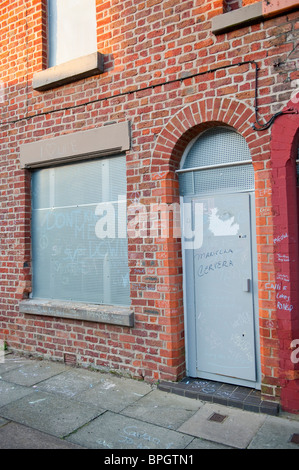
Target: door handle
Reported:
[(246, 285)]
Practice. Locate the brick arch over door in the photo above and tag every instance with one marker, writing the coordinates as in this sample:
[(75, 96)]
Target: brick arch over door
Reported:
[(176, 135), (198, 116)]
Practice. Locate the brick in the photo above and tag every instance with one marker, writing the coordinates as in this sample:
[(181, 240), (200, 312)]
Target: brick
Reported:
[(143, 46)]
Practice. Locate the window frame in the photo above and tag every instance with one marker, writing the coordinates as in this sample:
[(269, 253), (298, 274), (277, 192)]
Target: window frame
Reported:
[(88, 65), (79, 240), (78, 146), (65, 34)]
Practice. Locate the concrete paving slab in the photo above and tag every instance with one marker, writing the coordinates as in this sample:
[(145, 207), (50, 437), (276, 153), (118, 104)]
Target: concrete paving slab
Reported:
[(10, 392), (12, 362), (275, 433), (114, 393), (71, 382), (163, 409), (236, 430), (17, 436), (33, 372), (3, 421), (114, 431), (49, 413)]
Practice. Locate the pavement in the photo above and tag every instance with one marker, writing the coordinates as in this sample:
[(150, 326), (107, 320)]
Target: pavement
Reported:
[(51, 405)]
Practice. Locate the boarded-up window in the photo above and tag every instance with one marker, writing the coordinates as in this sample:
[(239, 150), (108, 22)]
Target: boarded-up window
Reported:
[(79, 240)]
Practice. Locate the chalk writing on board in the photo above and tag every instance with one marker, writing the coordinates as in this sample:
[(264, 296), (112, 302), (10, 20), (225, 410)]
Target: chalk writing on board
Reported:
[(43, 242)]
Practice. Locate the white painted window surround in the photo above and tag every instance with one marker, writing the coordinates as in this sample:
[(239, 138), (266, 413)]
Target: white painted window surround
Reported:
[(72, 30)]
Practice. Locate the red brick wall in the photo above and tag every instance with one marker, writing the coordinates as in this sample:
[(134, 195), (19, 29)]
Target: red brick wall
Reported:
[(147, 43)]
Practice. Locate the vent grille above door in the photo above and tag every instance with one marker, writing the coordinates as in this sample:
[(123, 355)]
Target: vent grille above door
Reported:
[(218, 161)]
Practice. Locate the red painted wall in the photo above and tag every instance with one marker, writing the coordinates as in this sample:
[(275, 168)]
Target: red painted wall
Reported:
[(284, 152)]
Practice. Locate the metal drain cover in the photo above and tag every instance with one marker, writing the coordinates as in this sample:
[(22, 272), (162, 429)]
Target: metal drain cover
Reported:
[(217, 418), (295, 439)]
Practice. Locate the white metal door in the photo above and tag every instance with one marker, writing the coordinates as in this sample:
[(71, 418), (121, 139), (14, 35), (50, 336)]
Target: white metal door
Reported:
[(219, 289)]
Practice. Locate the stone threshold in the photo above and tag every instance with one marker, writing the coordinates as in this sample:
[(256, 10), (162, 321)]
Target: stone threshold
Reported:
[(245, 398)]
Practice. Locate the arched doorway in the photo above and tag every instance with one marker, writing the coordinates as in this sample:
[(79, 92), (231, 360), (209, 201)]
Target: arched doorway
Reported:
[(219, 258)]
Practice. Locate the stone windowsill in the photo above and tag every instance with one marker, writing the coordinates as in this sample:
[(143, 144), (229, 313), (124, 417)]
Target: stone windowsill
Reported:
[(115, 315), (83, 67), (249, 14)]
